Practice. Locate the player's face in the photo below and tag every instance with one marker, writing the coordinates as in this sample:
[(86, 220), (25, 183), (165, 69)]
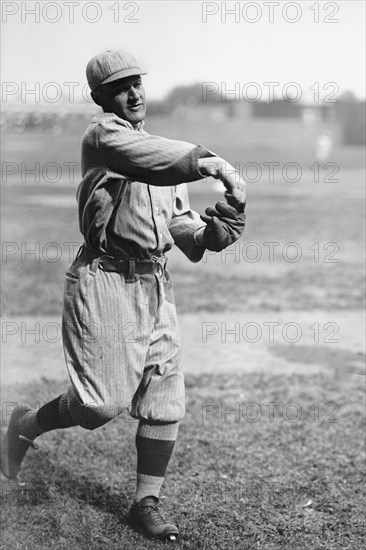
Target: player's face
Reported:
[(125, 98)]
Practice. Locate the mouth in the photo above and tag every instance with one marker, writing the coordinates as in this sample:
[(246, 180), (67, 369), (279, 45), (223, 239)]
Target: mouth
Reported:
[(135, 107)]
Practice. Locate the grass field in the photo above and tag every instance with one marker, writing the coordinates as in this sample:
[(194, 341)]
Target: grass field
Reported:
[(234, 483)]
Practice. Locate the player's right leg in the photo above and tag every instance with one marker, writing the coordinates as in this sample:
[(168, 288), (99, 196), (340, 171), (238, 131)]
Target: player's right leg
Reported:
[(98, 337), (106, 335)]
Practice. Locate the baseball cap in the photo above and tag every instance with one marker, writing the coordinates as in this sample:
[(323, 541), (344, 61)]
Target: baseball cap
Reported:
[(109, 66)]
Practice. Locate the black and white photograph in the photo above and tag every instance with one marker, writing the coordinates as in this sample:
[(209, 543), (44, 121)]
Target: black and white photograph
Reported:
[(183, 275)]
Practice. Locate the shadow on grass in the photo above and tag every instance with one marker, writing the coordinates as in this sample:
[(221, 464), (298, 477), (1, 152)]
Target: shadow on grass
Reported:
[(47, 480)]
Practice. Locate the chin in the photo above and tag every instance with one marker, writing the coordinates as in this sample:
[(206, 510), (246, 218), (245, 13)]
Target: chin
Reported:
[(136, 117)]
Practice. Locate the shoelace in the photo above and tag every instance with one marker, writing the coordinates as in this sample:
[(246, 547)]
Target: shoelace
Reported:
[(156, 516)]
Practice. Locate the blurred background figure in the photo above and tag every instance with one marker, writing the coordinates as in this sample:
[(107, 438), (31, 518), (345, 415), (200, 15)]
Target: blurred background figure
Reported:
[(324, 146)]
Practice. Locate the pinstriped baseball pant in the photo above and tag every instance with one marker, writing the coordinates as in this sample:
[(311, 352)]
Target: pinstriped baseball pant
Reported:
[(122, 346)]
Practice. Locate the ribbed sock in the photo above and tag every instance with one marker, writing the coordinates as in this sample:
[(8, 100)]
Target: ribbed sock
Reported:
[(154, 443), (51, 416)]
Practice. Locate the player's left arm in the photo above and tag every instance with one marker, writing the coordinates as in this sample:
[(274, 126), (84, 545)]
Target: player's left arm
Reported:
[(225, 223)]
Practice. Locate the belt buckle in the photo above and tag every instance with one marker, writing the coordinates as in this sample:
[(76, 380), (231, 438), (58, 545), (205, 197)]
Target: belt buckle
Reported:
[(161, 263), (102, 258)]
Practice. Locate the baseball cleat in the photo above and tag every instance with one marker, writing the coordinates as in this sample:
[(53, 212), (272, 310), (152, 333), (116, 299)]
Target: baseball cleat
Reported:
[(14, 445), (146, 516)]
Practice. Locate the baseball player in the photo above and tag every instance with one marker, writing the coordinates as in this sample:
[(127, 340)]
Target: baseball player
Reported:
[(120, 332)]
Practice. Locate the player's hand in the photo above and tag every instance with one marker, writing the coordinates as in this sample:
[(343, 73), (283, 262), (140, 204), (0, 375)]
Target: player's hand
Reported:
[(236, 197), (218, 168), (225, 224)]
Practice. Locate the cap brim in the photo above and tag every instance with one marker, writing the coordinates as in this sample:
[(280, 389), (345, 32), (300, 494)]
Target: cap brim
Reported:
[(123, 74)]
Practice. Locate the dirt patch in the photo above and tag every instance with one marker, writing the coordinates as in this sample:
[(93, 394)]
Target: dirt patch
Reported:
[(212, 343)]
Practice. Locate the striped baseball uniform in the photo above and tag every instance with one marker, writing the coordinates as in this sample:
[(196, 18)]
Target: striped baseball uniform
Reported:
[(120, 334)]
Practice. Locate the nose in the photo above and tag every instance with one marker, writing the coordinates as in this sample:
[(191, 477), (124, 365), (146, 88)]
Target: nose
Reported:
[(134, 93)]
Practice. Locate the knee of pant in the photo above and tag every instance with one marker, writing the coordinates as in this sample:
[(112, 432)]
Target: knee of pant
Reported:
[(92, 416), (156, 413)]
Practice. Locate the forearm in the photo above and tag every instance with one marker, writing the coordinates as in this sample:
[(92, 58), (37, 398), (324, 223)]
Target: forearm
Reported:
[(143, 157)]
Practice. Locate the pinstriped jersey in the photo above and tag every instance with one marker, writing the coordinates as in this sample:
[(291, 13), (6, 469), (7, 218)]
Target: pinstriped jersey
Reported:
[(133, 201)]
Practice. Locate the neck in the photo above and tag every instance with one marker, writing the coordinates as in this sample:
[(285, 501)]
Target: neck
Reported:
[(137, 126)]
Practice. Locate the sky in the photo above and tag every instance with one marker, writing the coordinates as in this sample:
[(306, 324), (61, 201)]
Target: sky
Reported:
[(320, 46)]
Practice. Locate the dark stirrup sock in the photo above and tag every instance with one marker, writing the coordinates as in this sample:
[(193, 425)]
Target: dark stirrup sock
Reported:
[(55, 415), (154, 443), (51, 416)]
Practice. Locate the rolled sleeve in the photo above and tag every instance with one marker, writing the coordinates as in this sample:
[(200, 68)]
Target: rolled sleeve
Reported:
[(184, 225), (147, 158)]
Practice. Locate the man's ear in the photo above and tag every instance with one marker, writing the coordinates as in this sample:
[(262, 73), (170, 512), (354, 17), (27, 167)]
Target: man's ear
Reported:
[(96, 97)]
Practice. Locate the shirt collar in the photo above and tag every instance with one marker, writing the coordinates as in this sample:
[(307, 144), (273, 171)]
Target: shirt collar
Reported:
[(109, 116)]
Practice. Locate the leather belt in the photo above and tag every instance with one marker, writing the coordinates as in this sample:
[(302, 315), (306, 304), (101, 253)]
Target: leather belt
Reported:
[(140, 267), (127, 266)]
